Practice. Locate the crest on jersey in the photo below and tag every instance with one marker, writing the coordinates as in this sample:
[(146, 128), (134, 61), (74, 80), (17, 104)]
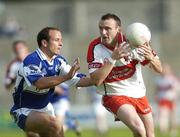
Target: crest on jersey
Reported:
[(94, 65), (32, 70), (57, 68)]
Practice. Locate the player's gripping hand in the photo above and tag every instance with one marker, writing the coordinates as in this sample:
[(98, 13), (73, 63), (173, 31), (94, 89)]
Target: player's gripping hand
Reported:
[(75, 67), (147, 51), (121, 50), (142, 52)]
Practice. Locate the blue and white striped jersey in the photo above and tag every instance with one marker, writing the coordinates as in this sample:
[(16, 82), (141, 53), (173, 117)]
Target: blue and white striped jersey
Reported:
[(35, 66)]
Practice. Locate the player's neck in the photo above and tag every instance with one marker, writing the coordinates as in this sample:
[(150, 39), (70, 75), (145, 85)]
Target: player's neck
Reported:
[(49, 57), (48, 54), (109, 46)]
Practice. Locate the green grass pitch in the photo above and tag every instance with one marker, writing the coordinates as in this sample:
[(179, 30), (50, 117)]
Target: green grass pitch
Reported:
[(115, 132)]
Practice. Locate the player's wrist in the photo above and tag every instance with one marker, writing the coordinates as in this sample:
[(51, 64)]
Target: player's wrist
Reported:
[(67, 77)]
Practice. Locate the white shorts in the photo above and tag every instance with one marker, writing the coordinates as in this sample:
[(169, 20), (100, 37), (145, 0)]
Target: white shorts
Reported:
[(61, 107), (21, 114)]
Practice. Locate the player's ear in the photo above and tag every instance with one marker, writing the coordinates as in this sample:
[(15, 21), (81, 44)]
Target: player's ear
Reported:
[(44, 43), (119, 28)]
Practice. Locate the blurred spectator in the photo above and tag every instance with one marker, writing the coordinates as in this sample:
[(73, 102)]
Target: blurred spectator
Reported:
[(99, 111), (166, 96), (61, 104), (20, 50), (10, 27), (2, 14), (21, 34), (2, 9)]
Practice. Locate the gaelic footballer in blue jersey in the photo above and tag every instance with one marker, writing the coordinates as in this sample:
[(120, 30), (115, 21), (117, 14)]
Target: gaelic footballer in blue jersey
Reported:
[(39, 73)]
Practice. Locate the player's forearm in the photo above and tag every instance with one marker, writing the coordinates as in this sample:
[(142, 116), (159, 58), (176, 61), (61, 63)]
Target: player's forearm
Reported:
[(100, 75), (155, 64), (85, 82), (49, 82)]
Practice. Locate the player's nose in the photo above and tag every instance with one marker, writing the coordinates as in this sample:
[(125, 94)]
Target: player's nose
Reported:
[(103, 31), (60, 44)]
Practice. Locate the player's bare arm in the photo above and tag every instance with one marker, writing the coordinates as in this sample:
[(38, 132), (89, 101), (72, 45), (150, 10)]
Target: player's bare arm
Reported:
[(120, 51), (84, 82), (155, 63), (49, 82)]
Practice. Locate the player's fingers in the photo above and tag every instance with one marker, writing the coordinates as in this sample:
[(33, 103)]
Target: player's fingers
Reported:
[(78, 60), (75, 68), (124, 54), (119, 46), (123, 44), (116, 46), (146, 49), (126, 47), (140, 51)]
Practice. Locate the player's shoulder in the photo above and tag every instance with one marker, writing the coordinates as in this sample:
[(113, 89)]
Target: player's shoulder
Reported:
[(61, 58), (32, 58), (91, 49), (95, 42)]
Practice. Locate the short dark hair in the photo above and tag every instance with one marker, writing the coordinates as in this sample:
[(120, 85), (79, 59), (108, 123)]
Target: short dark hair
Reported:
[(14, 44), (44, 34), (112, 16)]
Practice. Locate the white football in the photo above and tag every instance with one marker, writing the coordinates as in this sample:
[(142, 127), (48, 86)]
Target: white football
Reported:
[(137, 34)]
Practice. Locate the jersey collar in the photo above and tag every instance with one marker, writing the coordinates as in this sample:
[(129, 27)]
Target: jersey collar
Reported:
[(43, 56)]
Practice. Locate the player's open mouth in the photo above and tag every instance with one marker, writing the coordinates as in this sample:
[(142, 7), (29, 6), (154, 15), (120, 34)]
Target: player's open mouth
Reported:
[(105, 38)]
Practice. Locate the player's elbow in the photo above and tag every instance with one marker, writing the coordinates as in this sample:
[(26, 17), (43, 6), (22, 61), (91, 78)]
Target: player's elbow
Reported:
[(41, 86), (98, 82), (159, 69)]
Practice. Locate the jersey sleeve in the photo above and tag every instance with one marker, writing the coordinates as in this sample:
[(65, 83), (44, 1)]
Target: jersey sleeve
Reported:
[(94, 58), (31, 71)]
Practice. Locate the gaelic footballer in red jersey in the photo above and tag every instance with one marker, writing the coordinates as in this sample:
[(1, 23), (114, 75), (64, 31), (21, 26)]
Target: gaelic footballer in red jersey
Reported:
[(116, 68)]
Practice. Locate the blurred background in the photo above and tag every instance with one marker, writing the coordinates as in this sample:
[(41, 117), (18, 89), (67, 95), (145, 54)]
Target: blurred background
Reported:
[(78, 20)]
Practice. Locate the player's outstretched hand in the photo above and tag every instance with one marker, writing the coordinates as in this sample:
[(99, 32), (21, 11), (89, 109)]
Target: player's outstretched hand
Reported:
[(75, 67), (121, 50)]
